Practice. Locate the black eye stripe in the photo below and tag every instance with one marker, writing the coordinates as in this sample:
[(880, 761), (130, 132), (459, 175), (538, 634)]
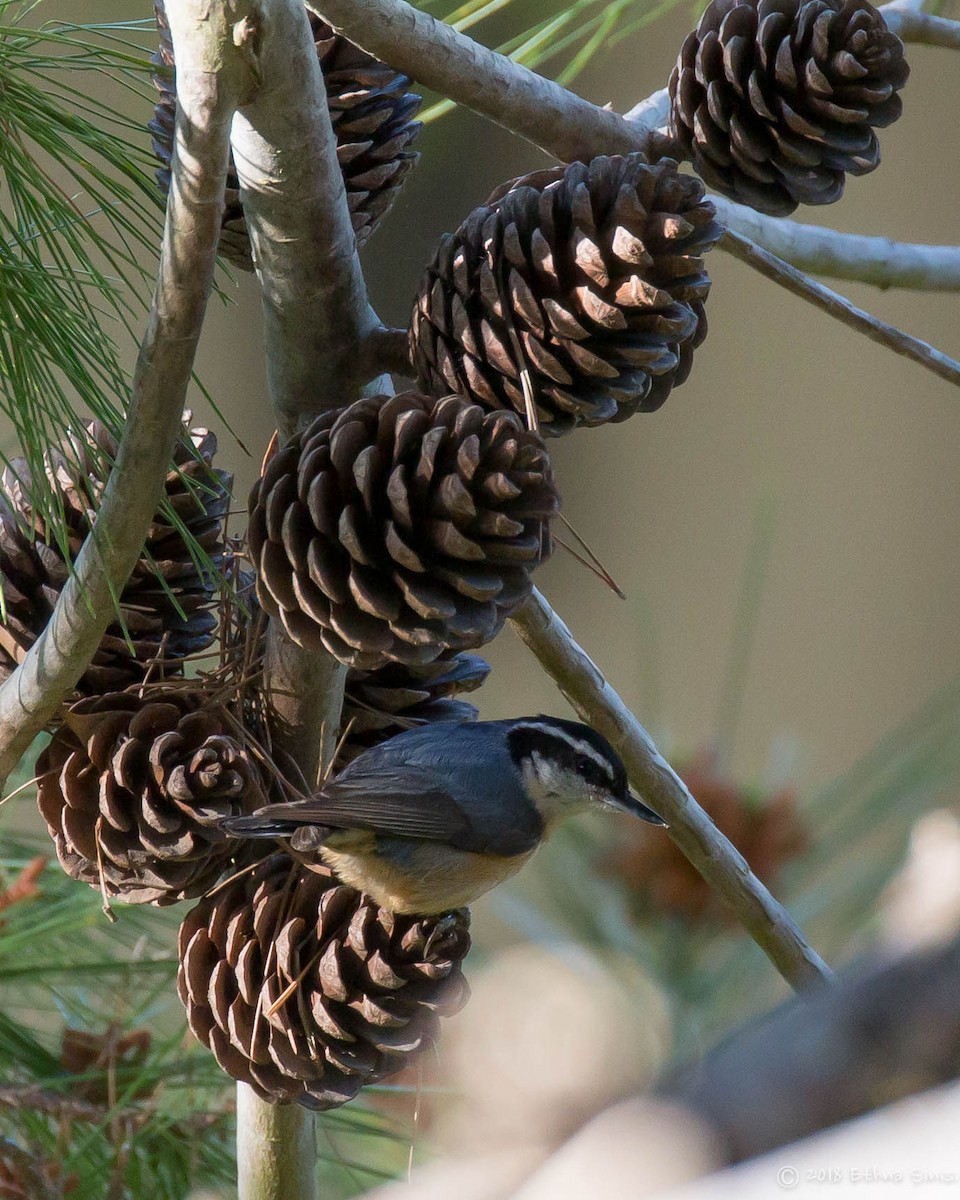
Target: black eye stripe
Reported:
[(569, 746)]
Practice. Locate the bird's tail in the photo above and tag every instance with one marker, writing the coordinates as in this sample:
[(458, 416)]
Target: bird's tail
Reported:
[(257, 826)]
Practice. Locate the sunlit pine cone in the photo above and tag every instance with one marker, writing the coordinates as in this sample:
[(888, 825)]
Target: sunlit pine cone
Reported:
[(589, 277), (401, 527), (658, 878), (775, 101), (132, 789), (379, 704), (167, 604), (373, 117), (303, 988)]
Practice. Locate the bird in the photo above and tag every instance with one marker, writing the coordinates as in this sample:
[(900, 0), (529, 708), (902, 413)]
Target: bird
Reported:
[(434, 817)]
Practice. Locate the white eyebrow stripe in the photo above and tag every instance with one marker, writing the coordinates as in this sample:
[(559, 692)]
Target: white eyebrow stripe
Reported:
[(577, 744)]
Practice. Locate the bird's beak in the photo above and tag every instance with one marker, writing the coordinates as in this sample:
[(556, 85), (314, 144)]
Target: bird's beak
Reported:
[(636, 808)]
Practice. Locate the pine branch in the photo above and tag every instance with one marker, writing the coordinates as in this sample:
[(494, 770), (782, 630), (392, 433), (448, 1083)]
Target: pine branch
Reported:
[(30, 697), (318, 324), (570, 127), (911, 24), (822, 251), (718, 861), (455, 66), (840, 307), (879, 1036)]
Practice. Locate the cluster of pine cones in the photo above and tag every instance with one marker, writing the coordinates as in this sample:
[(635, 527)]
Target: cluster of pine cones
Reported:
[(398, 532)]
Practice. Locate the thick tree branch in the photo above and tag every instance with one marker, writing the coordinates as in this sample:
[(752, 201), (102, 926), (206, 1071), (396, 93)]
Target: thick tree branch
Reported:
[(315, 304), (507, 93), (840, 307), (879, 1036), (317, 324), (213, 77), (717, 860)]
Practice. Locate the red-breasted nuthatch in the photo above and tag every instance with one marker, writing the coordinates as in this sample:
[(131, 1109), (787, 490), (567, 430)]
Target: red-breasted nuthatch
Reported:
[(436, 816)]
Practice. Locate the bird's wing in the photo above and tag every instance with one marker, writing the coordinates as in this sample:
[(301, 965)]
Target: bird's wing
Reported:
[(412, 804)]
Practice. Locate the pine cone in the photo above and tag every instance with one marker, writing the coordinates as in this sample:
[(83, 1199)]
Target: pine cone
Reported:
[(304, 989), (400, 528), (589, 277), (773, 101), (132, 789), (379, 704), (108, 1063), (166, 604), (372, 114), (660, 878), (29, 590)]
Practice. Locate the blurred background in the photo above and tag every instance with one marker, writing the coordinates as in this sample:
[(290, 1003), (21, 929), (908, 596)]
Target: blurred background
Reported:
[(785, 531)]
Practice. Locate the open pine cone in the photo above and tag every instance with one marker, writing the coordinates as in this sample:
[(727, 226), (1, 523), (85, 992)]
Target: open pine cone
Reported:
[(379, 704), (167, 604), (401, 527), (132, 789), (304, 989), (589, 277), (373, 120), (774, 101)]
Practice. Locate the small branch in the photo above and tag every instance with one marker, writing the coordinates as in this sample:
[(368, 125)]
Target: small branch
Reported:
[(272, 1131), (387, 350), (878, 1037), (553, 118), (651, 113), (32, 694), (717, 860), (840, 307), (911, 24), (822, 251)]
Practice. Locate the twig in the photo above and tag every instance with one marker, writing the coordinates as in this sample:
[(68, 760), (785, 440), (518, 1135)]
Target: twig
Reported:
[(840, 307), (459, 68), (822, 251), (386, 349), (717, 860), (911, 24), (25, 886), (85, 606)]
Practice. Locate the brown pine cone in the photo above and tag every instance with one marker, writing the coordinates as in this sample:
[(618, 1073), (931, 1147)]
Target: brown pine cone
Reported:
[(372, 114), (29, 590), (659, 878), (774, 101), (401, 527), (590, 277), (379, 704), (167, 604), (304, 989), (108, 1063), (132, 789)]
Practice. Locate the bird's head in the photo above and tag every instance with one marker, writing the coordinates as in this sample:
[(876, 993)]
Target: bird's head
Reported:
[(568, 767)]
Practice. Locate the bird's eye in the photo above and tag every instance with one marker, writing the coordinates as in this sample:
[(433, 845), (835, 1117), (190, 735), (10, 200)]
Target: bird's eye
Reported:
[(584, 768)]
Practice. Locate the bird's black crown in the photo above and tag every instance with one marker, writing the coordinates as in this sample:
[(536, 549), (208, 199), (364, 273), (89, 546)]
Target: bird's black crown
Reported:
[(573, 746)]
